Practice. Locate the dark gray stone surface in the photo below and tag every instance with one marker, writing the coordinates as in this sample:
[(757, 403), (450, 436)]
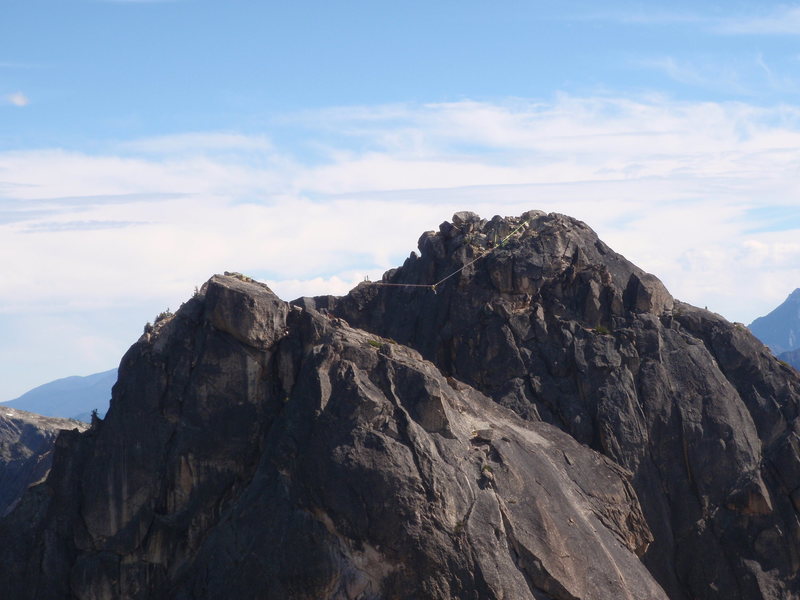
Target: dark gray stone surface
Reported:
[(558, 327), (363, 447), (257, 451)]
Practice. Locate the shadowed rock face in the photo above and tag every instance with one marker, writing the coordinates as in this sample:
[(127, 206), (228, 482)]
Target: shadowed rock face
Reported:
[(26, 451), (558, 327), (258, 450)]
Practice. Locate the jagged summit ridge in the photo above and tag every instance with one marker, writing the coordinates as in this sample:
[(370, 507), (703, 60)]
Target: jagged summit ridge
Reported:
[(520, 254), (554, 263)]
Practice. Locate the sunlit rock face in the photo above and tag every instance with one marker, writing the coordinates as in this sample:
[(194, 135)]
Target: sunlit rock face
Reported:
[(546, 422)]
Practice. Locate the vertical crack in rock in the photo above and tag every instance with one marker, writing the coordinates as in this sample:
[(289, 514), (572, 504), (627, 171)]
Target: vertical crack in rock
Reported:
[(539, 579)]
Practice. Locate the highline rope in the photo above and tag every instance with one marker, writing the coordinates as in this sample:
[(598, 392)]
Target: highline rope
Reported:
[(432, 286)]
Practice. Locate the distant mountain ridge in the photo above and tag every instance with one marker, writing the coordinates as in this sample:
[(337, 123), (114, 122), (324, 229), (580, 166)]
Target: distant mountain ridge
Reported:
[(780, 329), (792, 357), (70, 397)]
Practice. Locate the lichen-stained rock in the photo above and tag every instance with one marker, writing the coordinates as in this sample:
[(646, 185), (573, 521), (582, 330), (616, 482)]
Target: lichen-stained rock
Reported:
[(325, 463), (26, 450), (558, 327)]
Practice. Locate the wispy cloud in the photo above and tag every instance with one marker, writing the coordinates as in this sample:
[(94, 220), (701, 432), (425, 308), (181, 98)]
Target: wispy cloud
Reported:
[(773, 218), (776, 81), (707, 74), (17, 99), (649, 16), (749, 77), (5, 64), (672, 185), (56, 226), (784, 20), (765, 20), (198, 143)]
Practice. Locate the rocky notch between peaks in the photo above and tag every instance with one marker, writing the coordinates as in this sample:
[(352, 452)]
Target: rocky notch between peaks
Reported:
[(368, 447)]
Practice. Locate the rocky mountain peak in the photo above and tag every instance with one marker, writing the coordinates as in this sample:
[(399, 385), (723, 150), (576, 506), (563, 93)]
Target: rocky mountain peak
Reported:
[(515, 412), (558, 327), (780, 329), (534, 253), (505, 263), (241, 420)]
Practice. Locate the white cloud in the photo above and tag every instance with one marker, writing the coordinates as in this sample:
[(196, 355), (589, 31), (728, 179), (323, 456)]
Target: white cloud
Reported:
[(18, 99), (337, 285), (679, 188), (198, 143)]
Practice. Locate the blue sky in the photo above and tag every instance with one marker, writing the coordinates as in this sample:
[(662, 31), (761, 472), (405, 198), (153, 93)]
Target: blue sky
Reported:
[(109, 70), (145, 145)]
